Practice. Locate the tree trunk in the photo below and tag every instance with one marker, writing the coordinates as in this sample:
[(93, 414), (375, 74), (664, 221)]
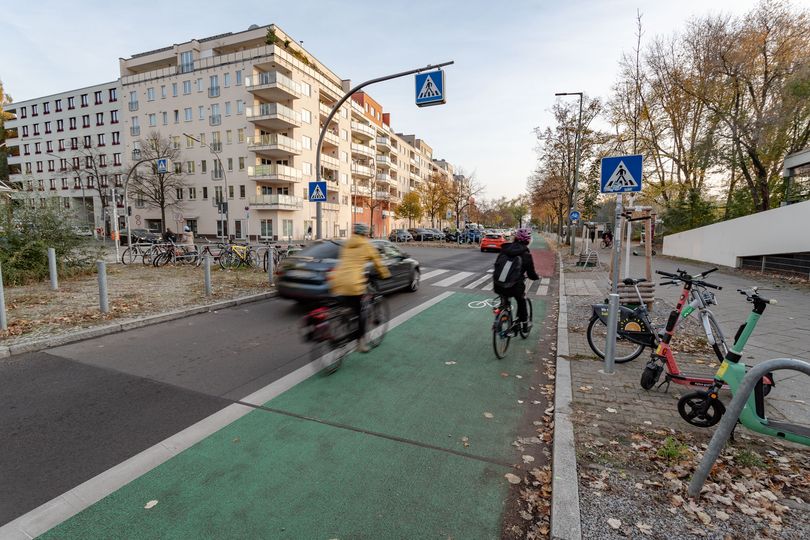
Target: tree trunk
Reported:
[(163, 217)]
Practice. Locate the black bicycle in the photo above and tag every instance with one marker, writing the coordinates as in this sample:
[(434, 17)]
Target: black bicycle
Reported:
[(333, 329), (505, 326)]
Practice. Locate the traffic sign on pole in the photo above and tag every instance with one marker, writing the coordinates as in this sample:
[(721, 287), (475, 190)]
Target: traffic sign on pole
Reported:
[(162, 166), (574, 215), (621, 174), (317, 191), (430, 88)]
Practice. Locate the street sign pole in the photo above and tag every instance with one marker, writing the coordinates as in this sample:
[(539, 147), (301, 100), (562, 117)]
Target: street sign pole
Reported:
[(333, 112)]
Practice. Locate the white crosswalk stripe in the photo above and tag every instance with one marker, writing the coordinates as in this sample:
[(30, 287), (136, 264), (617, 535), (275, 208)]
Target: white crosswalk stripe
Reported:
[(453, 279), (477, 282), (542, 290), (434, 273)]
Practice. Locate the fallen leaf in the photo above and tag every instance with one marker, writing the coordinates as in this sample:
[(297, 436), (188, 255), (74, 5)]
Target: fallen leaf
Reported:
[(527, 459), (614, 523), (525, 515), (704, 518), (488, 415), (644, 528), (721, 515), (150, 504), (450, 363), (611, 410), (513, 479)]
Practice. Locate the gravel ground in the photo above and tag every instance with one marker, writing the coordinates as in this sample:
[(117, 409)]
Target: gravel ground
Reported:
[(34, 311)]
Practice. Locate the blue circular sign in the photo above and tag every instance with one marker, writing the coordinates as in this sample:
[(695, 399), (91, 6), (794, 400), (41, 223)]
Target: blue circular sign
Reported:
[(574, 215)]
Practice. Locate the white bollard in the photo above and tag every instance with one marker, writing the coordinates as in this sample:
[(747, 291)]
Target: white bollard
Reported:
[(207, 274), (52, 269), (103, 299), (270, 264), (3, 320)]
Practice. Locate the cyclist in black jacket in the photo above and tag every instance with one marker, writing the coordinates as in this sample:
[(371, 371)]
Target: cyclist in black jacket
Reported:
[(519, 247)]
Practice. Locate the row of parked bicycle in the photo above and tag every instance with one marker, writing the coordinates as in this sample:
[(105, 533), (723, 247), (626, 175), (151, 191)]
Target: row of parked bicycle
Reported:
[(227, 255), (702, 408), (430, 234)]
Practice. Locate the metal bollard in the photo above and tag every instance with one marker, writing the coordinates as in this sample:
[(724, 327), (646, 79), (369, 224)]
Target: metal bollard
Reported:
[(207, 274), (52, 269), (612, 324), (103, 299), (270, 265), (3, 320)]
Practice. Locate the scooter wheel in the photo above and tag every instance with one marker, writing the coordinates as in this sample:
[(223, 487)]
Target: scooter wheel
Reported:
[(700, 410), (650, 375)]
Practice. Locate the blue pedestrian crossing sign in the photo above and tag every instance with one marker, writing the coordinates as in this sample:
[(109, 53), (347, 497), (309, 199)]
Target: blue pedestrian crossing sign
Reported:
[(162, 166), (430, 88), (621, 174), (317, 191), (574, 215)]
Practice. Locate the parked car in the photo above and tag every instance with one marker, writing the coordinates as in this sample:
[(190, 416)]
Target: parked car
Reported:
[(437, 234), (492, 242), (422, 235), (302, 276), (472, 235), (400, 235), (139, 235)]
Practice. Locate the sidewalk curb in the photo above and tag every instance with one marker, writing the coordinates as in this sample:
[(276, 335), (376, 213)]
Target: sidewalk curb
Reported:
[(565, 515), (114, 328)]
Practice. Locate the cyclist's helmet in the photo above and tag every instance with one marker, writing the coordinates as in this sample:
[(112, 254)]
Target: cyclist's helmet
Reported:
[(361, 229), (524, 236), (186, 229)]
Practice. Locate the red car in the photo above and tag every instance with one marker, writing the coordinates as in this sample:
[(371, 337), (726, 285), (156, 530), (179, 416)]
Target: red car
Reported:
[(492, 242)]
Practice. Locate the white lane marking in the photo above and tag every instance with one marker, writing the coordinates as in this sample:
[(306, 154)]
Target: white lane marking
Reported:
[(65, 506), (477, 282), (488, 286), (434, 274), (453, 279), (491, 270), (545, 281), (542, 290)]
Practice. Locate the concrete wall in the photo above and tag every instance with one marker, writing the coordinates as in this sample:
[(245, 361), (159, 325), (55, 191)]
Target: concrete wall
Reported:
[(781, 230)]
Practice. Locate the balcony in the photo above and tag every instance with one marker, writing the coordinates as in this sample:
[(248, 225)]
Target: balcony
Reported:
[(382, 177), (330, 162), (216, 147), (276, 202), (384, 143), (362, 150), (274, 173), (273, 116), (331, 139), (277, 146), (324, 111), (383, 161), (361, 190), (215, 120), (135, 131), (382, 195), (273, 86), (362, 171), (213, 91), (133, 105), (331, 206), (362, 131)]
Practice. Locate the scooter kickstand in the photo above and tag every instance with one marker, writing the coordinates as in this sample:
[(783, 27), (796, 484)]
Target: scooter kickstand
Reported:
[(662, 383)]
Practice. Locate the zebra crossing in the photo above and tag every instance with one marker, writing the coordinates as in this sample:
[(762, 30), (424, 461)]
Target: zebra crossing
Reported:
[(482, 281)]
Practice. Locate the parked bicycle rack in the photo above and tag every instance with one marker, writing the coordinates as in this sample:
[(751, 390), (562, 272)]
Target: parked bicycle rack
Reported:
[(732, 414)]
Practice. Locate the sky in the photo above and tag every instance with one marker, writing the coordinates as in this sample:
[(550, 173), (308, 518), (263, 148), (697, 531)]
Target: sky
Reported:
[(511, 56)]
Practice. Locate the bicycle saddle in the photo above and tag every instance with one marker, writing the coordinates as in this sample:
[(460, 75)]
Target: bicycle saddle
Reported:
[(631, 281)]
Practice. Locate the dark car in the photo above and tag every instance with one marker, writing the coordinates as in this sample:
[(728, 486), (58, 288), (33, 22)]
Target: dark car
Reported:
[(422, 235), (139, 235), (400, 235), (437, 234), (303, 275)]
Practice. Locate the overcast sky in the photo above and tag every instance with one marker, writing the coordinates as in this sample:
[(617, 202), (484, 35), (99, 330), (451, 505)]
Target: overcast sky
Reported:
[(511, 56)]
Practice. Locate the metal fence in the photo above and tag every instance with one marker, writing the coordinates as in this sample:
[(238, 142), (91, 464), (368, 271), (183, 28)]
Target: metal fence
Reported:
[(786, 263)]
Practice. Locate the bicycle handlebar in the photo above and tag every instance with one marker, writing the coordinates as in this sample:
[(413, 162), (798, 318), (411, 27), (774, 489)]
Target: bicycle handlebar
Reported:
[(682, 275)]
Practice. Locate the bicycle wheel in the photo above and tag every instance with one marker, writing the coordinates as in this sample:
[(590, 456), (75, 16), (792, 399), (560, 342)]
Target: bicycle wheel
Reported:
[(377, 321), (626, 350), (502, 332), (525, 334), (149, 255), (163, 259), (716, 340), (227, 259), (128, 256)]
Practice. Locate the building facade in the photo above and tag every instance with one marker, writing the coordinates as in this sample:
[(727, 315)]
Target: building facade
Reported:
[(244, 112)]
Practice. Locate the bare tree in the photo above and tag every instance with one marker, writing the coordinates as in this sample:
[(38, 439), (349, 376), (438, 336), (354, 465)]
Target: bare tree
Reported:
[(160, 190), (461, 191), (377, 198), (433, 194)]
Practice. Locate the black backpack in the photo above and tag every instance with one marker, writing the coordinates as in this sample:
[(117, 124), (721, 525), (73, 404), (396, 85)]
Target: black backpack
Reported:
[(508, 270)]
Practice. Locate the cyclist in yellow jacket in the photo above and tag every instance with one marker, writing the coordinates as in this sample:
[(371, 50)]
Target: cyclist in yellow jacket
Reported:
[(349, 280)]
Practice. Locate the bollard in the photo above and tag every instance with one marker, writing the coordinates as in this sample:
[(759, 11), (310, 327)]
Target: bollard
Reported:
[(207, 274), (3, 320), (270, 264), (103, 300), (52, 269), (612, 324)]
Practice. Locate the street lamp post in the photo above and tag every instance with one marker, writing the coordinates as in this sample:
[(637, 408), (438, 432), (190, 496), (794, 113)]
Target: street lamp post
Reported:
[(224, 178), (577, 144)]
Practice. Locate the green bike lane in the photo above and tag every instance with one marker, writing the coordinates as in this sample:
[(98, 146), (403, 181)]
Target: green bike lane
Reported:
[(395, 444)]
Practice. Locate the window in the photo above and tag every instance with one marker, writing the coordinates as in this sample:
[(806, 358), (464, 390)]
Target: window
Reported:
[(192, 194), (46, 107), (306, 89), (71, 102), (178, 168), (344, 157), (118, 180), (186, 87), (176, 142), (150, 94), (306, 142), (226, 80), (213, 83), (117, 159), (199, 85), (190, 167), (36, 129), (85, 102), (116, 137), (287, 226), (163, 91), (58, 104), (51, 166), (102, 160), (227, 108), (201, 111), (165, 118), (218, 194), (88, 162), (238, 77), (204, 193), (61, 145), (52, 182), (65, 183), (189, 142), (27, 168), (230, 192), (113, 117), (241, 191), (85, 120), (203, 166), (152, 120), (101, 139), (25, 131), (47, 127), (97, 96), (23, 112), (37, 148), (266, 228), (113, 94), (100, 119), (186, 61), (344, 179), (41, 184), (77, 163), (174, 89), (72, 122), (240, 135), (91, 182), (188, 114), (344, 134), (306, 168), (240, 106), (88, 141), (60, 125), (74, 143), (49, 146), (241, 164), (26, 149), (228, 136), (178, 193), (34, 110), (230, 164)]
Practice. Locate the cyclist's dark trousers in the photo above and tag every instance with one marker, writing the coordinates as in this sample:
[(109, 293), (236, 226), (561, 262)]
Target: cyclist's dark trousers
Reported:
[(356, 305), (518, 292)]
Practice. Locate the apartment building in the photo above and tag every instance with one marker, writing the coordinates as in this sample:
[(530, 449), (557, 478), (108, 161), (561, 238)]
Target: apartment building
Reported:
[(244, 112), (69, 151)]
